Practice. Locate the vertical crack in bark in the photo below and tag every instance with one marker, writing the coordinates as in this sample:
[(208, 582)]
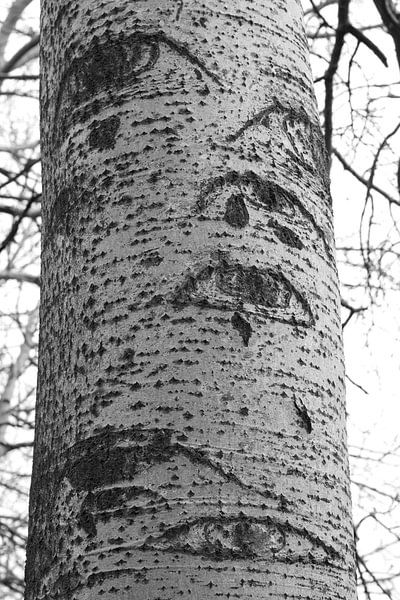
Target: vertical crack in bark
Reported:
[(302, 411), (179, 9)]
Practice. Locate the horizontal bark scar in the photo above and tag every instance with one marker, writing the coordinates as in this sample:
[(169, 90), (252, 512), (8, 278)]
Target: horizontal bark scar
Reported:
[(221, 538), (101, 460), (112, 456), (238, 537), (227, 285), (263, 194), (244, 537)]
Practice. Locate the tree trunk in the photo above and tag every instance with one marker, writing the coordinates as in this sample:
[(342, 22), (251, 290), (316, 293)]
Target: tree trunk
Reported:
[(190, 436)]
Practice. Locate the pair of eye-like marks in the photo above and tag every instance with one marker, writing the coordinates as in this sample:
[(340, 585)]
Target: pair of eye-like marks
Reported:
[(111, 64), (224, 283)]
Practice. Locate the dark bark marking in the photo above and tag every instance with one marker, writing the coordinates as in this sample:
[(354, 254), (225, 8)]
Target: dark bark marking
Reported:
[(283, 503), (111, 64), (267, 290), (184, 51), (286, 235), (304, 416), (236, 213), (260, 118), (179, 10), (252, 285), (106, 68), (243, 537), (87, 522), (152, 259), (269, 196), (118, 502), (312, 139), (293, 116), (99, 461), (128, 356), (221, 538), (290, 114), (59, 221), (102, 134), (67, 583), (243, 327)]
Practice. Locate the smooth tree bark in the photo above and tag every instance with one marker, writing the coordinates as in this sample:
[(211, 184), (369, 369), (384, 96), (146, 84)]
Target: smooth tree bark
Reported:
[(190, 437)]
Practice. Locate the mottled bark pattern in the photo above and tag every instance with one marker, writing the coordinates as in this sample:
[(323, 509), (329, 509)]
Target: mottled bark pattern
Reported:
[(191, 424)]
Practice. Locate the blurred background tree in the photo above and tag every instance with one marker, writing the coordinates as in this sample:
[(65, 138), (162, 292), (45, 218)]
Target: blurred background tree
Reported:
[(355, 49)]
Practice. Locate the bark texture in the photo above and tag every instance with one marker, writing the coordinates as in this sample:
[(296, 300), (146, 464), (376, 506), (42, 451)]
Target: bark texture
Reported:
[(191, 424)]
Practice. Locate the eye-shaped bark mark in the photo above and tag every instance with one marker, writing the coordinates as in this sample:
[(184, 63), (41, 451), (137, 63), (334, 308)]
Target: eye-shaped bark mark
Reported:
[(249, 284), (108, 65), (228, 285), (266, 194), (243, 327), (238, 537), (306, 136), (99, 76), (299, 129), (236, 213), (260, 118), (91, 466), (102, 133), (221, 538), (115, 456), (262, 194)]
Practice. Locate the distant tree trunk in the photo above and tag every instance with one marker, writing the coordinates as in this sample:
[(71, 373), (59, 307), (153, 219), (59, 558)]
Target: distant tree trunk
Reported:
[(190, 436)]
